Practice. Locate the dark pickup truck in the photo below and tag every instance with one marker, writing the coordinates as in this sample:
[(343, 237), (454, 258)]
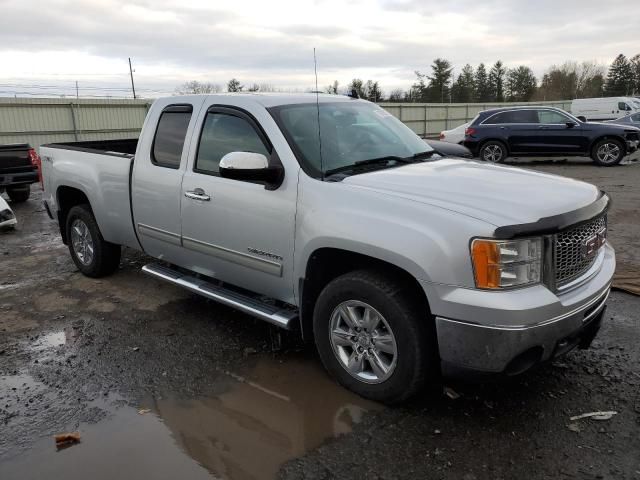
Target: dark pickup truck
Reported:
[(19, 168)]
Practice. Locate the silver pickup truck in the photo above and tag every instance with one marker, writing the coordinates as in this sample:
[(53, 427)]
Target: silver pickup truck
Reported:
[(328, 215)]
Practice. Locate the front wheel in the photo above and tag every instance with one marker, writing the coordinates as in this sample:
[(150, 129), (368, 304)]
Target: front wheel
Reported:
[(493, 152), (92, 254), (607, 152), (374, 337)]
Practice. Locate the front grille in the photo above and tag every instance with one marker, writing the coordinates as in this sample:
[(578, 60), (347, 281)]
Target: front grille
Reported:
[(570, 260)]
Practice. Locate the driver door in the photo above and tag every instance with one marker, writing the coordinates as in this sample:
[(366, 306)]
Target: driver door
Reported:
[(237, 231)]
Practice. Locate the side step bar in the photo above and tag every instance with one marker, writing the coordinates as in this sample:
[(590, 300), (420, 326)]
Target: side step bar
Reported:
[(281, 317)]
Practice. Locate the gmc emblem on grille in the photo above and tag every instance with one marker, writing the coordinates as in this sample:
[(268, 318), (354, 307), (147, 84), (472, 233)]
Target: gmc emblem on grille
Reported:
[(593, 244)]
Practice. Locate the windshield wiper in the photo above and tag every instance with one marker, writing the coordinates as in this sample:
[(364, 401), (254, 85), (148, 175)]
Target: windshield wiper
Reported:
[(423, 155), (373, 162)]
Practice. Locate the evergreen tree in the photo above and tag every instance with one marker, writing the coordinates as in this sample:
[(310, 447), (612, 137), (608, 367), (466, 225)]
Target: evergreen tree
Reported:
[(482, 90), (620, 77), (635, 67), (496, 81), (357, 85), (463, 89), (333, 88), (440, 81), (521, 84), (234, 85)]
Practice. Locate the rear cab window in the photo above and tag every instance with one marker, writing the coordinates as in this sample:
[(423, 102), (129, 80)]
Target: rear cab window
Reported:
[(168, 141)]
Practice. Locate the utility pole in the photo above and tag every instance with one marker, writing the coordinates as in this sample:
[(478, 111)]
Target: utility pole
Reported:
[(77, 94), (133, 87)]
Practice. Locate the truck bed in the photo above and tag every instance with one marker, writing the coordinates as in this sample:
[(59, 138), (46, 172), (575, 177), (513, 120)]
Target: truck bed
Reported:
[(101, 170), (125, 146)]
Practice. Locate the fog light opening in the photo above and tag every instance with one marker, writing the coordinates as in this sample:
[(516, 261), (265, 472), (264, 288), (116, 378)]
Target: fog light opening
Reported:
[(524, 361)]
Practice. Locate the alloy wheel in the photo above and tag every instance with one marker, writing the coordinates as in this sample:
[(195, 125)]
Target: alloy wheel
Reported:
[(363, 342), (492, 153), (82, 241), (608, 152)]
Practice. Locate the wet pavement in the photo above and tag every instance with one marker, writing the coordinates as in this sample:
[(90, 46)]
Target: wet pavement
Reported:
[(161, 383)]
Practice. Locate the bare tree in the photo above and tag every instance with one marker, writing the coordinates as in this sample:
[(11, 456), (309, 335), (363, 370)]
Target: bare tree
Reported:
[(196, 87)]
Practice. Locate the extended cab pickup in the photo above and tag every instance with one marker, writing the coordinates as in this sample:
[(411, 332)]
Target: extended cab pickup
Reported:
[(328, 215), (19, 168)]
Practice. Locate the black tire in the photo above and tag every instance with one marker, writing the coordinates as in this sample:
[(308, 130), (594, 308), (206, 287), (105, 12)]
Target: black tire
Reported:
[(409, 320), (613, 154), (105, 257), (19, 194), (493, 151)]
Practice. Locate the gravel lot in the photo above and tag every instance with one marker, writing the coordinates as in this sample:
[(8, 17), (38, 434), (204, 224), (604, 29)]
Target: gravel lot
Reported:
[(163, 384)]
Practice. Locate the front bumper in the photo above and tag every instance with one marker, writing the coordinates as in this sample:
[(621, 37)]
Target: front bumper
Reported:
[(510, 331)]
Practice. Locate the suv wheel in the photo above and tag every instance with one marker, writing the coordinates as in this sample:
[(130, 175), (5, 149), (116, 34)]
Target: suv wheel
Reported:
[(493, 152), (92, 254), (374, 337), (19, 194), (607, 152)]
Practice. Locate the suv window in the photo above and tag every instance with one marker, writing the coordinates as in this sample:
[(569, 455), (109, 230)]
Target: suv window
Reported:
[(549, 116), (513, 116), (170, 135), (635, 118), (221, 134)]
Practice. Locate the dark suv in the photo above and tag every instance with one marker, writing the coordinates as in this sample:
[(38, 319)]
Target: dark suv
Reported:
[(499, 133)]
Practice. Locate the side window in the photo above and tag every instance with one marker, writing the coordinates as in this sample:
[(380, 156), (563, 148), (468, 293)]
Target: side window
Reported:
[(523, 116), (623, 106), (170, 135), (549, 116), (635, 118), (497, 119), (221, 134)]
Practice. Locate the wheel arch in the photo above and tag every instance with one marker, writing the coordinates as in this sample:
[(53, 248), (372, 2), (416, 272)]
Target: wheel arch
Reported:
[(608, 136), (327, 263), (67, 198)]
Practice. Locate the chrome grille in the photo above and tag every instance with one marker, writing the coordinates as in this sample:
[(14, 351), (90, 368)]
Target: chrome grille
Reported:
[(570, 261)]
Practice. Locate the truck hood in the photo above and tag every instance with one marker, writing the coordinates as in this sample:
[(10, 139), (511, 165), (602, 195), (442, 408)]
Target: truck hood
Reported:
[(496, 194)]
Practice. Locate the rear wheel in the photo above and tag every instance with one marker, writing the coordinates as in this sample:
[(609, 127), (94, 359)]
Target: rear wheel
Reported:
[(92, 254), (374, 337), (607, 152), (493, 152), (19, 194)]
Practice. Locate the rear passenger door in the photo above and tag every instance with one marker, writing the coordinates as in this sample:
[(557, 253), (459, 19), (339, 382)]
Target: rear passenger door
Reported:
[(159, 166)]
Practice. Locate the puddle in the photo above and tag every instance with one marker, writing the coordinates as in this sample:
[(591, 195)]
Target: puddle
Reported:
[(278, 412)]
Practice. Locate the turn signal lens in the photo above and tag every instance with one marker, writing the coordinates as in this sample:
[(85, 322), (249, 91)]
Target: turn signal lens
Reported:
[(506, 263)]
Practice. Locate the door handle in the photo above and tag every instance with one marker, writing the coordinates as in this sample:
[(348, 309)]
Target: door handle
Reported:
[(197, 194)]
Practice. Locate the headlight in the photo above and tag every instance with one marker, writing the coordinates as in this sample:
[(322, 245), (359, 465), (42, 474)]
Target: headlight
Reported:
[(506, 263)]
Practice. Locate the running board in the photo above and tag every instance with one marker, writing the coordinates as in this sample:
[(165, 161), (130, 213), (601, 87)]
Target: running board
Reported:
[(281, 317)]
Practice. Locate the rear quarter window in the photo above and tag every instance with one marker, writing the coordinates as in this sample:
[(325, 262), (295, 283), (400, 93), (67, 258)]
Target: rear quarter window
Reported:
[(170, 135)]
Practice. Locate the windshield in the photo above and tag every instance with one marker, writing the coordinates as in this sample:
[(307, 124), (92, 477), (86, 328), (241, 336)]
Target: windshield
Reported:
[(350, 133)]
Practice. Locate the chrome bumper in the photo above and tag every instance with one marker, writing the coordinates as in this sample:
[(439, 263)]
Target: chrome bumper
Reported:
[(495, 332), (511, 349)]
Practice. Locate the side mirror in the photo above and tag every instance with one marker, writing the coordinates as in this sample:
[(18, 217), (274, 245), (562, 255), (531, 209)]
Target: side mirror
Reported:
[(251, 167), (571, 124), (582, 118)]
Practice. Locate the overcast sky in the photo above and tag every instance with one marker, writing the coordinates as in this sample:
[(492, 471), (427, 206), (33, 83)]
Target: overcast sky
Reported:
[(56, 42)]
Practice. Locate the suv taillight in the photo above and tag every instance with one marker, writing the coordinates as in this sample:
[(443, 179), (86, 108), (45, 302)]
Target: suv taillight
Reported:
[(36, 162), (470, 131)]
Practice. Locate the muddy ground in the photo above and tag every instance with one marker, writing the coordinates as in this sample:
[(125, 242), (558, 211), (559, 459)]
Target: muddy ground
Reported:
[(163, 384)]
